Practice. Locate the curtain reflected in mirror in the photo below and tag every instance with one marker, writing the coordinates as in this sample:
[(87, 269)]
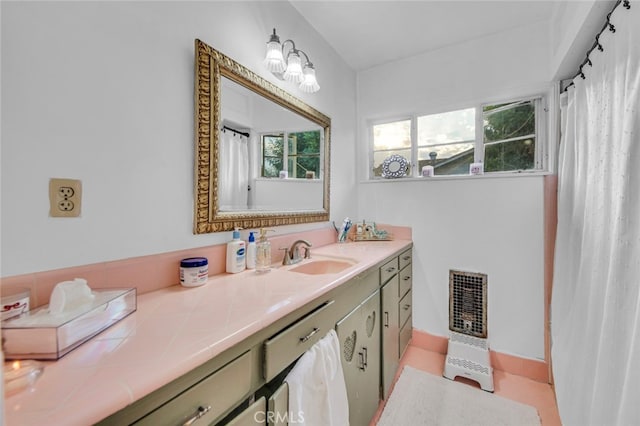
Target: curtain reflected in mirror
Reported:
[(233, 171)]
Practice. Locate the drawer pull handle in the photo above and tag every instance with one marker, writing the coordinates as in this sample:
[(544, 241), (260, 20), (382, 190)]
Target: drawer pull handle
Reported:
[(391, 269), (386, 319), (407, 278), (363, 359), (406, 258), (198, 414), (407, 307), (308, 336)]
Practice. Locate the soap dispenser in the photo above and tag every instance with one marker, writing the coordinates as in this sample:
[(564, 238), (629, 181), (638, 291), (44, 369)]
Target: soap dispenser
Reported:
[(263, 252), (236, 253), (251, 251)]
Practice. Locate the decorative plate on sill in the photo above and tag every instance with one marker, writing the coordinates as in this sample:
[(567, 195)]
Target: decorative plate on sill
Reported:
[(394, 166)]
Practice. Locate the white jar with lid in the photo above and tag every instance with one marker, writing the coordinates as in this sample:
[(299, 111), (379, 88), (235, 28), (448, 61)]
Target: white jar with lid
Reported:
[(194, 271), (15, 301)]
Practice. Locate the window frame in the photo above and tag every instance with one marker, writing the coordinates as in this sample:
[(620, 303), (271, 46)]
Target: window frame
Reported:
[(541, 154)]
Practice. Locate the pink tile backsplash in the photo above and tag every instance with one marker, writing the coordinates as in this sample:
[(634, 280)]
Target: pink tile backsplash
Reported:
[(149, 273)]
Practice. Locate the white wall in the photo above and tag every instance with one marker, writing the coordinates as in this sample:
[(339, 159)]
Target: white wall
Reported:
[(488, 225), (103, 92), (288, 194), (574, 26)]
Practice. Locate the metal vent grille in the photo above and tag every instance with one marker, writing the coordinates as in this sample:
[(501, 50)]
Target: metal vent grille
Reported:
[(468, 303), (349, 346)]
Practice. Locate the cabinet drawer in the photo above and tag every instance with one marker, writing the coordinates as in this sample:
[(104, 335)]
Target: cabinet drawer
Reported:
[(388, 270), (405, 308), (406, 280), (286, 346), (210, 398), (405, 258), (255, 414), (405, 336)]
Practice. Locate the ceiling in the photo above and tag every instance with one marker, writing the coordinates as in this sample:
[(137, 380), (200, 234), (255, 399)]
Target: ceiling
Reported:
[(370, 33)]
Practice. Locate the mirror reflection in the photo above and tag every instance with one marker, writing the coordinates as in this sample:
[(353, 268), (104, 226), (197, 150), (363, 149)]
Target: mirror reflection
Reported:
[(271, 159)]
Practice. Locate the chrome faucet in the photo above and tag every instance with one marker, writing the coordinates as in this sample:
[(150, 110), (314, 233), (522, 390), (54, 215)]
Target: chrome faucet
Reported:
[(292, 255)]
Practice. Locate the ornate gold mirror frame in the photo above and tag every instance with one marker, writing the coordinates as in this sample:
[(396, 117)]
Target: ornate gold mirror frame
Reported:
[(210, 66)]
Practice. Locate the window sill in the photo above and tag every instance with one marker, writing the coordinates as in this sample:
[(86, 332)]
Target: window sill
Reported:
[(494, 175), (298, 180)]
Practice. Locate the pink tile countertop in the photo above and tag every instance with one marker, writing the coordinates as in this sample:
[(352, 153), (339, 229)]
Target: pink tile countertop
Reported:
[(173, 331)]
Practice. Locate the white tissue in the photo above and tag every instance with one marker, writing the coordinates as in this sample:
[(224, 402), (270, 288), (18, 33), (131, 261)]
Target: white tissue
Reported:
[(70, 295)]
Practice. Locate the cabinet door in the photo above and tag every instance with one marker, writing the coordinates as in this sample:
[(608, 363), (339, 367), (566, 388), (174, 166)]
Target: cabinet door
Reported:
[(359, 335), (255, 414), (278, 405), (390, 334)]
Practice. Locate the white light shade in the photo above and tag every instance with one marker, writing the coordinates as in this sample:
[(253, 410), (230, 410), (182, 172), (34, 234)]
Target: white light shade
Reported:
[(309, 83), (294, 68), (274, 60)]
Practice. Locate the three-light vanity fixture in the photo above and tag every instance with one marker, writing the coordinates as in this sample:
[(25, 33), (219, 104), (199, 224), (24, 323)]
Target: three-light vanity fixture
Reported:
[(291, 68)]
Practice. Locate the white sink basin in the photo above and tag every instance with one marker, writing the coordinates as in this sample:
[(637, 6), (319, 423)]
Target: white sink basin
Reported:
[(323, 266)]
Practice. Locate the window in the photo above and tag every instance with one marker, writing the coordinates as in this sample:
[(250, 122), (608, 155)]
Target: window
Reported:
[(389, 139), (504, 136), (300, 156)]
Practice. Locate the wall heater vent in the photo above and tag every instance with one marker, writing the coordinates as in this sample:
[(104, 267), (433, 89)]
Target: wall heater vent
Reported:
[(468, 350), (468, 303)]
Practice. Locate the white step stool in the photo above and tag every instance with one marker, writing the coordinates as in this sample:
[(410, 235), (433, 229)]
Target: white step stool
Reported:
[(468, 356)]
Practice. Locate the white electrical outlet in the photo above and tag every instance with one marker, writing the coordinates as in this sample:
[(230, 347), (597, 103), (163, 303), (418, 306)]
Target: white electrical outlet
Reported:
[(65, 196)]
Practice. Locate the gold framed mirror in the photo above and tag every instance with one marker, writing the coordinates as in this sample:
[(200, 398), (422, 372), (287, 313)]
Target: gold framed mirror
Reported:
[(213, 72)]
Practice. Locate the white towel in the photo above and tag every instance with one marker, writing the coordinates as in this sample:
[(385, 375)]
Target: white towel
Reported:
[(317, 392)]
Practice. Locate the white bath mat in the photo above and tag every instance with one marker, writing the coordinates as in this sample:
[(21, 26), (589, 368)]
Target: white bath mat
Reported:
[(420, 398)]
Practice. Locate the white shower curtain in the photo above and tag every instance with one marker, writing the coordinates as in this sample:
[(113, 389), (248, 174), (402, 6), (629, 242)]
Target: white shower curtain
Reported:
[(233, 171), (595, 309)]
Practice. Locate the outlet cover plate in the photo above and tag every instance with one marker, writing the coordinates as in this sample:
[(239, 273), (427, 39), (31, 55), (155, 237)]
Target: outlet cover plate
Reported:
[(65, 197)]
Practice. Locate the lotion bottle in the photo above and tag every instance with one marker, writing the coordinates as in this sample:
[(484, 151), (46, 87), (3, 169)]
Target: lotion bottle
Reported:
[(251, 251), (236, 254), (263, 252)]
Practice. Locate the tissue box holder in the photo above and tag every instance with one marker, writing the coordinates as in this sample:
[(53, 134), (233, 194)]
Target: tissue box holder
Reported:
[(59, 336)]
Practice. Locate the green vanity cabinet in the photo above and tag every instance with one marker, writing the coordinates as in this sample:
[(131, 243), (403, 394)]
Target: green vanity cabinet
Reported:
[(390, 334), (405, 294), (395, 281), (359, 335)]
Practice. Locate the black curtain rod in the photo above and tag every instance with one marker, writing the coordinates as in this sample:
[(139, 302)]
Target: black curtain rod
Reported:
[(596, 45), (245, 134)]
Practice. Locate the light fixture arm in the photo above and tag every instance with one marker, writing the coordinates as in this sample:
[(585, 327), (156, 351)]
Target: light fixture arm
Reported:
[(294, 50), (293, 45), (306, 57)]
